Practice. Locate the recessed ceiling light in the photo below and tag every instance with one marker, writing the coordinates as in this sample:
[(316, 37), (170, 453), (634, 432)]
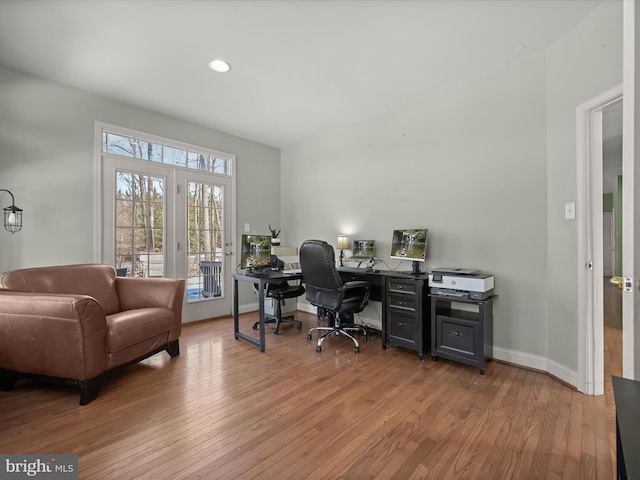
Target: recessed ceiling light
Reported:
[(219, 66)]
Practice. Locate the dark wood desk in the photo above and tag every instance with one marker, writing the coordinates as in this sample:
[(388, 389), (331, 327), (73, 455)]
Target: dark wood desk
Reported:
[(405, 314), (261, 281), (627, 397)]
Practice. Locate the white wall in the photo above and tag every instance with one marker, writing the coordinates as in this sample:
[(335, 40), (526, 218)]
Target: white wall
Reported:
[(46, 160), (468, 162), (476, 164)]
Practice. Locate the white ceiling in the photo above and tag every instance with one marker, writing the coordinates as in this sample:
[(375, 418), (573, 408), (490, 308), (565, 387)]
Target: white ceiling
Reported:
[(298, 67)]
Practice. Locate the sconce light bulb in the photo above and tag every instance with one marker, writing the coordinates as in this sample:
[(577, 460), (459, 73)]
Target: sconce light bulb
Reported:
[(12, 218)]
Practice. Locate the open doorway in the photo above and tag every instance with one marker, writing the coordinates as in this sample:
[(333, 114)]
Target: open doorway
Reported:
[(612, 235)]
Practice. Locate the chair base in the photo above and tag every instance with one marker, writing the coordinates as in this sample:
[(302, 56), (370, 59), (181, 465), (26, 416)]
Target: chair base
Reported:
[(338, 329), (272, 319)]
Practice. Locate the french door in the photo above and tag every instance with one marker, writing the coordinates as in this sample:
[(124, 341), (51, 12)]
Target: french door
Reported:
[(164, 221), (204, 242)]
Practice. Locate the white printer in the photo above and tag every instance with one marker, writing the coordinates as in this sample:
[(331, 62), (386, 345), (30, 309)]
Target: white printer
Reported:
[(460, 283)]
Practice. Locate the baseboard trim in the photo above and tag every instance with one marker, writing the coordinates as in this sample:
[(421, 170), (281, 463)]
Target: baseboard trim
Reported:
[(538, 363)]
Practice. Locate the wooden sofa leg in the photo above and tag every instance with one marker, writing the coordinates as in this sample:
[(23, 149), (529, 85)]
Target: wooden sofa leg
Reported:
[(89, 389), (173, 348), (7, 380)]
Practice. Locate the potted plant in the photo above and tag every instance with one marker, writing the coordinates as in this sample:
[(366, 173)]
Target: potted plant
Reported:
[(274, 236)]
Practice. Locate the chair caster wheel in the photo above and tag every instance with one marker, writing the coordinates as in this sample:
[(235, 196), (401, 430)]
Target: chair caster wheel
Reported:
[(364, 338), (275, 331), (255, 326), (356, 349), (318, 349), (309, 336)]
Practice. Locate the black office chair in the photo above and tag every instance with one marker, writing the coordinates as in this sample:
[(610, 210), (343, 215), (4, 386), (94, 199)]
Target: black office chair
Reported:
[(280, 291), (327, 292)]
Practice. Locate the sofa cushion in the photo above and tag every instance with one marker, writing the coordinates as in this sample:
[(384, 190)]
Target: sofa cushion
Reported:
[(132, 326), (95, 280)]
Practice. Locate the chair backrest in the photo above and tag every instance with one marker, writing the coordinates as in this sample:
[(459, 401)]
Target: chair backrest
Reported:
[(322, 280)]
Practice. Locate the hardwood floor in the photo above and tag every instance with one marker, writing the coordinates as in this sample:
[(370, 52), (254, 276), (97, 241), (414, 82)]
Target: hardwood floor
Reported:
[(223, 410)]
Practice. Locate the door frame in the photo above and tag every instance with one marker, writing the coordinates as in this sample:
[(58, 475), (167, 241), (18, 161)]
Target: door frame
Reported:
[(590, 374)]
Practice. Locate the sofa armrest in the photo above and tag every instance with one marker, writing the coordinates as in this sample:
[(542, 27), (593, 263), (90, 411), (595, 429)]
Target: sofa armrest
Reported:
[(50, 334), (153, 292)]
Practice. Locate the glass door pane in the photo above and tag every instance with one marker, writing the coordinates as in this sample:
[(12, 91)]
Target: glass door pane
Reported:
[(139, 224), (205, 251)]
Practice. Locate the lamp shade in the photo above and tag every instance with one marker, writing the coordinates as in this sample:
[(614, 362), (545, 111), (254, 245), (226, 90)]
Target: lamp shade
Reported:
[(343, 242), (13, 219), (12, 215)]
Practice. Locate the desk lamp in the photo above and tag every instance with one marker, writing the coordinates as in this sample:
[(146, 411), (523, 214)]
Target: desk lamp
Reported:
[(343, 242), (12, 215)]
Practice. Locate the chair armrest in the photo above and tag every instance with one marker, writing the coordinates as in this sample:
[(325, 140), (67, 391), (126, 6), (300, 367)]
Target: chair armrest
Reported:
[(153, 292), (357, 284), (52, 334), (358, 287)]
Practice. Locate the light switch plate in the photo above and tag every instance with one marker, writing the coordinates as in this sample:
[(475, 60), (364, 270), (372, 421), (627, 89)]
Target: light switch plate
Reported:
[(570, 211)]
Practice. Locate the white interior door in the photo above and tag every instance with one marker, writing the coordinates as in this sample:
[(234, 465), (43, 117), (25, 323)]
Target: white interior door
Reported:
[(589, 148), (630, 193), (608, 244)]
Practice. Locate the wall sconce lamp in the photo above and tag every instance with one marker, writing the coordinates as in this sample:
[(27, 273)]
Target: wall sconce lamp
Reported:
[(12, 215), (343, 243)]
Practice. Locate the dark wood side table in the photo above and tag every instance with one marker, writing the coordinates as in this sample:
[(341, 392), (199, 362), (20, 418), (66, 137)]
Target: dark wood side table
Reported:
[(460, 335)]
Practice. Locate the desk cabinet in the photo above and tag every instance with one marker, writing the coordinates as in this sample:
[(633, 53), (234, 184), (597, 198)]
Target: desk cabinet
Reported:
[(461, 335), (407, 319)]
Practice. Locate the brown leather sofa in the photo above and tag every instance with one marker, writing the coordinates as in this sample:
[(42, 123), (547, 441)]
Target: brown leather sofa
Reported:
[(75, 324)]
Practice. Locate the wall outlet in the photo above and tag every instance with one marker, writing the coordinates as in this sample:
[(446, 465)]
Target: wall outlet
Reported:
[(247, 227)]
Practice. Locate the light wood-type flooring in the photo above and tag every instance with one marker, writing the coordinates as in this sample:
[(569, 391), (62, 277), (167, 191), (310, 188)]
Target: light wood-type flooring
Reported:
[(223, 410)]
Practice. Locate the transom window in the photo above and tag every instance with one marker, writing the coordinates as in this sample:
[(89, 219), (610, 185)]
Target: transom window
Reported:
[(144, 149)]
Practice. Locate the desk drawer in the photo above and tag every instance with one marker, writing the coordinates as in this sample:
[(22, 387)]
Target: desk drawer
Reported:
[(403, 286), (402, 327), (403, 302), (454, 335)]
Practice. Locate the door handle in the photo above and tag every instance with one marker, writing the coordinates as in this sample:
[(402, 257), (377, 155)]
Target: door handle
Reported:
[(625, 283), (616, 282), (228, 253)]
